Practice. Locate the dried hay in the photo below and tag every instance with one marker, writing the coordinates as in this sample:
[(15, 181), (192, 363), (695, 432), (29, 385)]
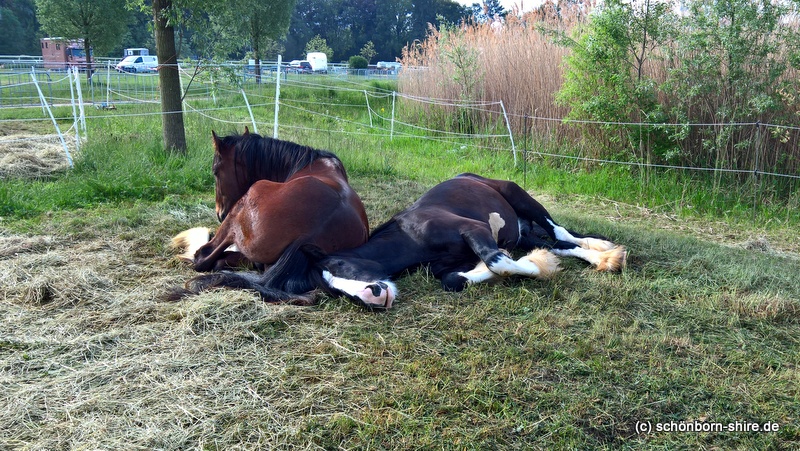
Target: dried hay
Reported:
[(32, 156), (92, 359), (11, 246)]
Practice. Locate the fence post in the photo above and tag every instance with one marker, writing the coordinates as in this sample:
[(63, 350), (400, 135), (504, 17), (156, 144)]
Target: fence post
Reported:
[(527, 134), (108, 84), (50, 112), (277, 100), (756, 172), (41, 96), (510, 135), (213, 90)]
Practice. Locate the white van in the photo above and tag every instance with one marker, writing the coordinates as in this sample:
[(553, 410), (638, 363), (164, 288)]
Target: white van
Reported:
[(319, 62), (138, 63)]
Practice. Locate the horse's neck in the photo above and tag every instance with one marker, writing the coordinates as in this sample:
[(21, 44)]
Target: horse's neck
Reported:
[(278, 162)]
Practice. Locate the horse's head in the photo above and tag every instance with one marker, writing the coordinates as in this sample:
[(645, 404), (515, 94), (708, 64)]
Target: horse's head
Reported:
[(361, 280), (229, 184)]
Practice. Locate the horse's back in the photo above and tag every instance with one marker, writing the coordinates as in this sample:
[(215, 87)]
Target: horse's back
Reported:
[(273, 215), (467, 196)]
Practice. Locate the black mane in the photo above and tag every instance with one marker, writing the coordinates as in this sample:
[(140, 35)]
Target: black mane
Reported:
[(273, 159)]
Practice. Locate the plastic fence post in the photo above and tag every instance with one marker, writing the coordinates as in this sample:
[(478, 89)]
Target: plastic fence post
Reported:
[(369, 109), (108, 84), (510, 135), (50, 112), (41, 97), (75, 122), (213, 91), (277, 100), (77, 78), (250, 110), (391, 133)]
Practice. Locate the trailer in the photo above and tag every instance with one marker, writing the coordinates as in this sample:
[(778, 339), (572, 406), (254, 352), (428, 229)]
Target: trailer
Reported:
[(138, 51), (319, 62), (61, 54)]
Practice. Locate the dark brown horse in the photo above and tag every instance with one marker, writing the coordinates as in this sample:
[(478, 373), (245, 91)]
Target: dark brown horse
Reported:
[(271, 195)]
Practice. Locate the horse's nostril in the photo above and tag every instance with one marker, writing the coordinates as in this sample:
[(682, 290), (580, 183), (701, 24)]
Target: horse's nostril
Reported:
[(376, 288)]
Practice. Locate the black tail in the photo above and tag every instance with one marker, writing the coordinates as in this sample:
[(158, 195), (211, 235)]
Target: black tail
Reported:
[(291, 278)]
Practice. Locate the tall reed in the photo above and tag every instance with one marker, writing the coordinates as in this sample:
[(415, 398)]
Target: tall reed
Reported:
[(516, 63)]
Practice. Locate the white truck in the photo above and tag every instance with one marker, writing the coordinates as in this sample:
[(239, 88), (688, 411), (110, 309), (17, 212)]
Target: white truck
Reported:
[(319, 62)]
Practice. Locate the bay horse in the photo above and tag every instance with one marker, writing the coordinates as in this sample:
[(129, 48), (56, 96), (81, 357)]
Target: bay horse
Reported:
[(270, 194), (462, 229)]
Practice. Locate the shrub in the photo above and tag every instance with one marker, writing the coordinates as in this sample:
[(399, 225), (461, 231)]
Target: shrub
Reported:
[(357, 62)]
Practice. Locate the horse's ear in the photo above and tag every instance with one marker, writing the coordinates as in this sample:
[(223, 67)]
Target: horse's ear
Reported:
[(216, 140), (246, 131)]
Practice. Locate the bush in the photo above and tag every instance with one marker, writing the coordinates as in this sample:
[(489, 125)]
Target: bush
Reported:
[(357, 62)]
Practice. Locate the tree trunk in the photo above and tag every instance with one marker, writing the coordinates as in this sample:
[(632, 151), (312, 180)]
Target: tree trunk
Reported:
[(257, 57), (87, 48), (169, 79)]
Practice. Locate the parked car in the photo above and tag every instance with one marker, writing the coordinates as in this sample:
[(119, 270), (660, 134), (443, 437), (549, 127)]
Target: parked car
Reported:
[(389, 66), (138, 63), (299, 67), (293, 66)]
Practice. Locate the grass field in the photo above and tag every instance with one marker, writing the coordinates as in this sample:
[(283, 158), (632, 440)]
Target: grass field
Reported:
[(701, 328)]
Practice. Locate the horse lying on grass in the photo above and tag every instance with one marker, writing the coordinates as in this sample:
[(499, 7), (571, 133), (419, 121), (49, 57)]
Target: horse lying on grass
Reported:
[(459, 229), (269, 194)]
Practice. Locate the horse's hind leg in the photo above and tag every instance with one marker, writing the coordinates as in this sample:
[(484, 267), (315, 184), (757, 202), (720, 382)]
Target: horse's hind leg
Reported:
[(603, 254), (603, 258), (496, 263), (611, 260)]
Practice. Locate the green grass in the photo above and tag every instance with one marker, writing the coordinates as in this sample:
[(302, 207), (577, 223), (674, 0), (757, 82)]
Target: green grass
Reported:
[(702, 324)]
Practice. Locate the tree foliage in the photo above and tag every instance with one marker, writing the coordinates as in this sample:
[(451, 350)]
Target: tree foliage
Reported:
[(213, 31), (357, 62), (487, 10), (100, 23), (347, 25), (19, 25), (318, 44), (250, 23), (604, 78), (722, 63), (368, 51)]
